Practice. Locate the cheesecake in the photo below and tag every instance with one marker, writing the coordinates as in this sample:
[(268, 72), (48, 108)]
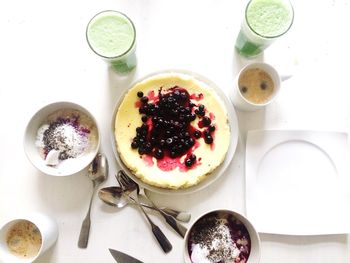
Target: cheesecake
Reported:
[(172, 130)]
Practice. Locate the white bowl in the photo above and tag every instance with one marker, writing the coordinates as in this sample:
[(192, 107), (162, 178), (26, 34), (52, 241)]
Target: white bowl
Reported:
[(233, 123), (254, 256), (71, 165), (47, 227)]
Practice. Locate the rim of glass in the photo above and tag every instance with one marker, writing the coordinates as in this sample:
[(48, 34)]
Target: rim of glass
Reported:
[(122, 14), (270, 37)]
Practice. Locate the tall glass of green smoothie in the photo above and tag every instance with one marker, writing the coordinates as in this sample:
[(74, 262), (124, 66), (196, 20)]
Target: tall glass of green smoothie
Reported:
[(112, 35), (264, 22)]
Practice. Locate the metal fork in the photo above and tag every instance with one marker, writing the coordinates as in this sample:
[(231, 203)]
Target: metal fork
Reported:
[(178, 215), (132, 195), (125, 180)]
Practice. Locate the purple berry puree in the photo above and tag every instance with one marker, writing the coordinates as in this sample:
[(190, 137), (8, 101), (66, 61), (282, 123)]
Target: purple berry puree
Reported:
[(219, 238), (169, 130)]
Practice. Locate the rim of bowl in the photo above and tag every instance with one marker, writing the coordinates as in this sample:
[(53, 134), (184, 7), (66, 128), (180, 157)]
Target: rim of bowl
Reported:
[(65, 105), (218, 171)]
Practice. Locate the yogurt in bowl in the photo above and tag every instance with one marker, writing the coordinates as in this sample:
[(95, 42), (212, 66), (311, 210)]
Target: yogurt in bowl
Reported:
[(222, 236), (61, 139)]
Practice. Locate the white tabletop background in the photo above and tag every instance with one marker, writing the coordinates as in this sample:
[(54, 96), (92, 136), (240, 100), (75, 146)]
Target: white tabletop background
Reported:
[(44, 58)]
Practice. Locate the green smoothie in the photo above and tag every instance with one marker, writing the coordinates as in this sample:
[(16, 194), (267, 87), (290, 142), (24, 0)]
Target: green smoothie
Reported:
[(111, 35), (265, 20)]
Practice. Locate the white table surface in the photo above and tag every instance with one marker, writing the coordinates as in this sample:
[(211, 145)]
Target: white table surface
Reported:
[(44, 58)]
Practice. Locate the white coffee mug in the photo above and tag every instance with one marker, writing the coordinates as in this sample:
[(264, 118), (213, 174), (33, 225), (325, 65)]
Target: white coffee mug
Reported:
[(244, 104), (48, 230)]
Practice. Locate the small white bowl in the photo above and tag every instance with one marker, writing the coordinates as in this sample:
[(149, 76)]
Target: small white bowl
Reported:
[(254, 255), (45, 224), (69, 166)]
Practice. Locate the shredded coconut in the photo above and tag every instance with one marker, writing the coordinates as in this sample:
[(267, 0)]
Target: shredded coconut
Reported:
[(219, 240), (62, 139)]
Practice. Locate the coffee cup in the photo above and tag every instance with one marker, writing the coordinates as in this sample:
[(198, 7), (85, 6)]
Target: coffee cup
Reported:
[(25, 238), (255, 86)]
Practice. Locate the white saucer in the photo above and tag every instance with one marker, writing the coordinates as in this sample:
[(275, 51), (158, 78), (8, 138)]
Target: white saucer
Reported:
[(297, 182)]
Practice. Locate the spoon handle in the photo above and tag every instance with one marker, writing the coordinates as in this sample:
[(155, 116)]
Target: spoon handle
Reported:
[(180, 229), (85, 226), (163, 241), (157, 232), (179, 215), (84, 232)]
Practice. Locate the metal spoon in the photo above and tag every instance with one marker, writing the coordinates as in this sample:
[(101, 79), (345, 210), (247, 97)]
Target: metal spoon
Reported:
[(178, 215), (131, 194), (128, 184), (113, 196), (98, 172)]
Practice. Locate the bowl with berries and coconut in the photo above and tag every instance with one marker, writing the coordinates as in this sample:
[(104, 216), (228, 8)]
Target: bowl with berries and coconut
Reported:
[(61, 139), (174, 132), (222, 235)]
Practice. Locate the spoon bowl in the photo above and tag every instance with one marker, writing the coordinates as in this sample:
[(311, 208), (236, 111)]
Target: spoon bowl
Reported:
[(113, 196), (98, 170)]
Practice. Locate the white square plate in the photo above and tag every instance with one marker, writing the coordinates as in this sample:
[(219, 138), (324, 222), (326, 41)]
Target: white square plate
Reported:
[(297, 182)]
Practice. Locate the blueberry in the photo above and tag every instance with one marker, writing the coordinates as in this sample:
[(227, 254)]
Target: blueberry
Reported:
[(153, 140), (144, 99), (169, 141), (199, 113), (206, 121), (188, 162), (201, 108), (192, 117), (206, 133), (158, 153), (172, 154), (193, 157), (148, 147), (183, 95), (140, 94), (141, 151), (208, 139), (211, 128), (162, 143), (134, 145), (160, 121), (197, 134), (177, 93), (144, 118), (191, 142)]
